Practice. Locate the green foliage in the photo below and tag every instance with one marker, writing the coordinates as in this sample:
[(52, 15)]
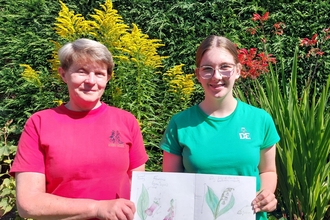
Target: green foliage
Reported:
[(27, 37), (25, 32), (303, 152), (181, 25), (7, 183)]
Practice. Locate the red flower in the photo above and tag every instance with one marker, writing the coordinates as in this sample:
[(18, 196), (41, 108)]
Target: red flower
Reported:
[(314, 51), (252, 31), (309, 42), (256, 17), (254, 64), (279, 26), (265, 16)]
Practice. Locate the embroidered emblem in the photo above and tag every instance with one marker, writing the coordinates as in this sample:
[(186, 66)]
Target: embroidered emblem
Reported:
[(244, 134), (115, 140)]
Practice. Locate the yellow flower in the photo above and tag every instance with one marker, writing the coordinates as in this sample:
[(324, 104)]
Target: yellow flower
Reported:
[(31, 75), (180, 83), (140, 48), (55, 62), (58, 102), (69, 25), (108, 25)]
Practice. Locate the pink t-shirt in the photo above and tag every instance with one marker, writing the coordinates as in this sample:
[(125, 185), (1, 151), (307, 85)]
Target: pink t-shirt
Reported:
[(82, 154)]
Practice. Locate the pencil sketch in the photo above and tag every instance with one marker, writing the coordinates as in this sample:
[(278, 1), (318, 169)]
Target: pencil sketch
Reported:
[(222, 205)]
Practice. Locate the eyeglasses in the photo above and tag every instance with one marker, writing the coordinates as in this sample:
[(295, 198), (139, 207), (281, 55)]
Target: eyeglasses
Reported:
[(225, 70)]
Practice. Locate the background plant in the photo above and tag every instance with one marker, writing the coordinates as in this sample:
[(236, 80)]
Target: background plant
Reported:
[(29, 38), (303, 151), (301, 116)]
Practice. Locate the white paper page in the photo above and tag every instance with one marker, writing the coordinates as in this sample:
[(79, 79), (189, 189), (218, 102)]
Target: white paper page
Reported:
[(163, 196), (222, 197), (184, 196)]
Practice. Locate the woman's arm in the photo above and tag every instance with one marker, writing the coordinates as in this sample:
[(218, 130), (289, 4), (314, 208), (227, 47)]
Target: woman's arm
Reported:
[(33, 202), (172, 162), (265, 200), (140, 168)]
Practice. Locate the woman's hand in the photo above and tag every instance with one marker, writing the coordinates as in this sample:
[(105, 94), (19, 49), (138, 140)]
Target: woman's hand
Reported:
[(265, 201), (118, 209)]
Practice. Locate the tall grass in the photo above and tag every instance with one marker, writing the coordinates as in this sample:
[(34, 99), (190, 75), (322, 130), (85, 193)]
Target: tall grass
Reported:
[(302, 120)]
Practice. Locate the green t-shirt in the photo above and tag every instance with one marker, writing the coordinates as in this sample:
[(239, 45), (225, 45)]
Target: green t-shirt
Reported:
[(227, 146)]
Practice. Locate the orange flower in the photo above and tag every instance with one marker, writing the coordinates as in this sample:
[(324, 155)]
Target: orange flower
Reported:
[(257, 17), (309, 42), (254, 64), (265, 16), (252, 31)]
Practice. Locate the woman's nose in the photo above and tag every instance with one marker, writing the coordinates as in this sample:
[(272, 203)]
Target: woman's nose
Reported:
[(217, 74), (90, 78)]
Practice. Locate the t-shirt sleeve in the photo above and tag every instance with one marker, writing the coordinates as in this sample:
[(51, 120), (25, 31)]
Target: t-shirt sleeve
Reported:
[(29, 156), (138, 155), (170, 141), (271, 135)]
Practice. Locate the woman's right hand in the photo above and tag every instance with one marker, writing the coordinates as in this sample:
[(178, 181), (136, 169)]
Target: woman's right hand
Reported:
[(117, 209)]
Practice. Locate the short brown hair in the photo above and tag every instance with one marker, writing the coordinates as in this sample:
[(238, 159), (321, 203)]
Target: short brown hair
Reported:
[(85, 49)]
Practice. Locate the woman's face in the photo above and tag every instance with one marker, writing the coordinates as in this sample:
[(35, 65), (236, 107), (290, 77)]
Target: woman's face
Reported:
[(86, 81), (218, 86)]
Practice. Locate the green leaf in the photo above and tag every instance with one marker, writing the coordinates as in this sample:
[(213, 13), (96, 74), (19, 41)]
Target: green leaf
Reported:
[(212, 200), (227, 207), (143, 203)]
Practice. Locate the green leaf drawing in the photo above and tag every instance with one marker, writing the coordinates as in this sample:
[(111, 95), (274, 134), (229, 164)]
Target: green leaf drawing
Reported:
[(219, 207), (226, 207), (143, 203), (212, 200)]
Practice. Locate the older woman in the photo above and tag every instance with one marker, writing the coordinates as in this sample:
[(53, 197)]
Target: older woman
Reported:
[(75, 161)]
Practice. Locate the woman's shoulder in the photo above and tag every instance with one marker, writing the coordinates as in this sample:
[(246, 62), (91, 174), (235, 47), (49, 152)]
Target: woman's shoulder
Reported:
[(186, 113), (46, 112), (250, 108), (118, 113)]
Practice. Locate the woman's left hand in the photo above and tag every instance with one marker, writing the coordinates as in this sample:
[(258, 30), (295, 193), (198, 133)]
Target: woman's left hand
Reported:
[(265, 201)]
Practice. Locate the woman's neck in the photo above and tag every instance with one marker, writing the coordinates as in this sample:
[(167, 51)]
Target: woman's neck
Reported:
[(219, 108)]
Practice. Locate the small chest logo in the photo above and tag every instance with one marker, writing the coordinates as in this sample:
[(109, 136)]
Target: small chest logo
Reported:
[(115, 140), (244, 134)]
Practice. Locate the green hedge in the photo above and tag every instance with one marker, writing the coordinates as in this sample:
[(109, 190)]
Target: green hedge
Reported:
[(27, 32)]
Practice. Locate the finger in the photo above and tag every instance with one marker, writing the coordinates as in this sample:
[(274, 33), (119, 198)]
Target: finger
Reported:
[(271, 206), (129, 215), (265, 206), (128, 209), (131, 205)]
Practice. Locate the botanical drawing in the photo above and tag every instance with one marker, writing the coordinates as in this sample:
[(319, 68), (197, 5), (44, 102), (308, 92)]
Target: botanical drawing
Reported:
[(143, 203), (222, 205), (170, 215), (142, 206)]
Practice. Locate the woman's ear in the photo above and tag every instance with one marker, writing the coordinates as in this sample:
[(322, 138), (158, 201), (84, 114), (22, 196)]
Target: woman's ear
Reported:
[(197, 74), (61, 71), (238, 71)]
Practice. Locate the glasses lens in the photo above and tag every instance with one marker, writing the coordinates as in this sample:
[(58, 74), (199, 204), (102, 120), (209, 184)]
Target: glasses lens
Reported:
[(206, 72), (226, 70)]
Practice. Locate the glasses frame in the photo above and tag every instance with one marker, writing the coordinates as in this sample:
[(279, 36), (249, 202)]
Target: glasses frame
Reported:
[(218, 69)]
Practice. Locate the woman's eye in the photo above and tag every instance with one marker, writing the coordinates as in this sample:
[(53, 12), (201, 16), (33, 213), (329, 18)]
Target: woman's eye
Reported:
[(208, 69), (226, 67), (81, 72), (99, 74)]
